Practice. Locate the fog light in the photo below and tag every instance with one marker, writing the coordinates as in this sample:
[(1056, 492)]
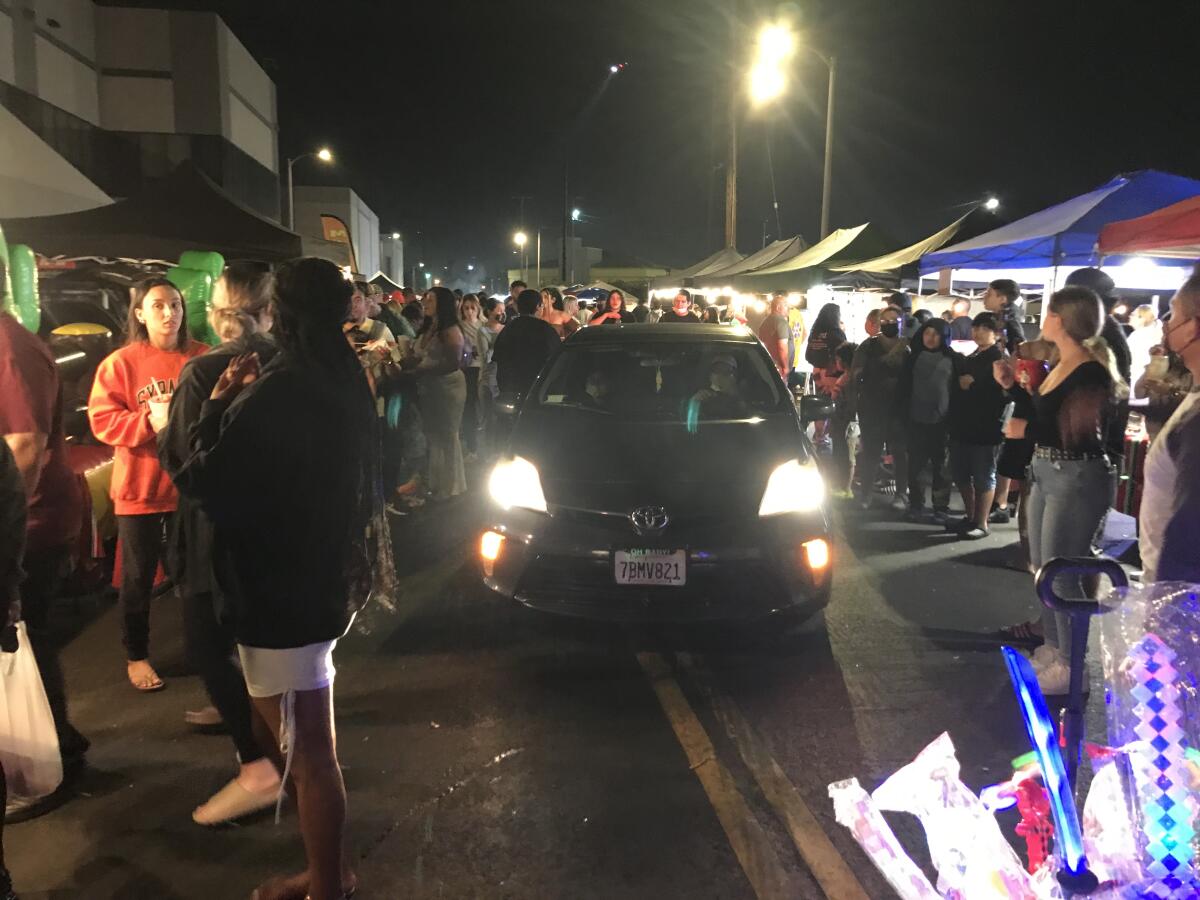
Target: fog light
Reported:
[(816, 554), (490, 546)]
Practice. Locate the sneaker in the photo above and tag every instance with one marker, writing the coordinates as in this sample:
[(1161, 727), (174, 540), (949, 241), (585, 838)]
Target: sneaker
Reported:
[(1044, 657), (974, 533), (1055, 679), (915, 514), (999, 516)]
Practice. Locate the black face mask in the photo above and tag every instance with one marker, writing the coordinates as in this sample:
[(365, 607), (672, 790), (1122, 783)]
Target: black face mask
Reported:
[(890, 329)]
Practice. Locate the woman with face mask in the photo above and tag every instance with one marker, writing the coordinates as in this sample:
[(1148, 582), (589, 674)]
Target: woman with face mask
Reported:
[(1170, 511)]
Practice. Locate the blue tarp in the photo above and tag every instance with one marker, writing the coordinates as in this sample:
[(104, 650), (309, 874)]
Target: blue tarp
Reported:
[(1066, 234)]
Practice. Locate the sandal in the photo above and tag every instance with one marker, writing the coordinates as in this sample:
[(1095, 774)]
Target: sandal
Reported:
[(295, 887), (1022, 633), (148, 684)]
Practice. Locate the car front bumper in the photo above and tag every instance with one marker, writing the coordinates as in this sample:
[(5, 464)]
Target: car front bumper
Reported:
[(736, 570)]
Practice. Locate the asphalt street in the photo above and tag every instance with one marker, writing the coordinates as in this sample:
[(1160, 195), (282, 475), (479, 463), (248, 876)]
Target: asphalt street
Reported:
[(492, 752)]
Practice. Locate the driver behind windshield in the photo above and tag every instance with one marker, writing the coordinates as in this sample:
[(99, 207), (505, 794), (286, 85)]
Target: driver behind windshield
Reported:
[(596, 391), (722, 398)]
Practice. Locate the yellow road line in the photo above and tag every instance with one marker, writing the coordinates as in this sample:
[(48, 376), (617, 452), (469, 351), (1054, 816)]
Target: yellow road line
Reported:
[(766, 873), (822, 858)]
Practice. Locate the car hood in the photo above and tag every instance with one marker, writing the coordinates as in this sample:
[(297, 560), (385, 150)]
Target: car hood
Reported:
[(589, 461)]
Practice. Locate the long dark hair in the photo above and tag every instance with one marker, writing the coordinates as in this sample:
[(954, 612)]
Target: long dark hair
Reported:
[(311, 301), (608, 300), (829, 318), (135, 331), (447, 310)]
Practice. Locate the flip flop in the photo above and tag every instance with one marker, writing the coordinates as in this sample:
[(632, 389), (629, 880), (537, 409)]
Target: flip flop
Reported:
[(233, 802), (293, 887)]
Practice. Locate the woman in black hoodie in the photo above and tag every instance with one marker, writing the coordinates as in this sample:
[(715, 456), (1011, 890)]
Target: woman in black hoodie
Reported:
[(285, 464)]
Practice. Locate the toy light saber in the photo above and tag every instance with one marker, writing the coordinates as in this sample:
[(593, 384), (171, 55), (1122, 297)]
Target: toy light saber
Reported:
[(1075, 875)]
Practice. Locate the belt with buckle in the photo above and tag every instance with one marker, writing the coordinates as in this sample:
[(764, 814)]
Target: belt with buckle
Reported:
[(1055, 455)]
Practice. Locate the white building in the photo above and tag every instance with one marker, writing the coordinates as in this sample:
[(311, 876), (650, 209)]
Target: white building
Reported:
[(391, 257), (314, 202), (97, 100)]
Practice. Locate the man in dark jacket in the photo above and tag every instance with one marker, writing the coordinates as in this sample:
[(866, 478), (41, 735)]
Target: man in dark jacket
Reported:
[(977, 407), (876, 374), (1003, 299), (523, 347)]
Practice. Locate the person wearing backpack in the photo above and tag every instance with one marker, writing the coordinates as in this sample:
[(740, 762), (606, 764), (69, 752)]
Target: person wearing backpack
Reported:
[(824, 339), (879, 364)]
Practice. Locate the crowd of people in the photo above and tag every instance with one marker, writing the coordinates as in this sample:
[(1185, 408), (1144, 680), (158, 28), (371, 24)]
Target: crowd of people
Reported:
[(258, 474)]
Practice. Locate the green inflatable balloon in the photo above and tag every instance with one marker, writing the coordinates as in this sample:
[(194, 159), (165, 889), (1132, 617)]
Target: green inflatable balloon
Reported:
[(6, 282), (23, 273), (196, 287), (205, 260)]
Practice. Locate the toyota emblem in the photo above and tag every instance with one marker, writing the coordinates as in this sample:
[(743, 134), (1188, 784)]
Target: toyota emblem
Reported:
[(649, 518)]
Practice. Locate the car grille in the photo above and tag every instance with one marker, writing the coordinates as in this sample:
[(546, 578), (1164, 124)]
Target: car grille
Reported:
[(587, 587)]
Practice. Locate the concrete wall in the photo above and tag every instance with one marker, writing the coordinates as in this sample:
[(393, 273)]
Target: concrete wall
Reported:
[(391, 259), (253, 123), (8, 63)]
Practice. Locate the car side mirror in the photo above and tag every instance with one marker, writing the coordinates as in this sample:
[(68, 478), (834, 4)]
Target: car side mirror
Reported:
[(815, 409)]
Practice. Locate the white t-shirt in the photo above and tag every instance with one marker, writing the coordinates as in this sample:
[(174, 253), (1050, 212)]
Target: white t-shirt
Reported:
[(1158, 492)]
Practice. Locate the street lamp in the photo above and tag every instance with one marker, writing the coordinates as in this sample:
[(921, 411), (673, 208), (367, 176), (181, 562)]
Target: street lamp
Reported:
[(325, 155), (767, 81), (576, 214), (395, 235), (991, 204)]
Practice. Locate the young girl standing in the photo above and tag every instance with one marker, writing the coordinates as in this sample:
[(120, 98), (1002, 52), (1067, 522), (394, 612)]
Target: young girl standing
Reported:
[(127, 409)]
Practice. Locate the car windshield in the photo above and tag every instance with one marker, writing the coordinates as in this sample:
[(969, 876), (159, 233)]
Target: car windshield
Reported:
[(659, 381)]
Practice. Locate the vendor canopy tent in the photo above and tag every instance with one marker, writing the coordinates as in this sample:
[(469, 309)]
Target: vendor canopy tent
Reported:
[(1066, 234), (723, 258), (769, 254), (384, 282), (820, 252), (897, 259), (184, 211), (1173, 232)]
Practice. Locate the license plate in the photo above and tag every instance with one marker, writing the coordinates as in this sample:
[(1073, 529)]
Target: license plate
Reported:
[(665, 568)]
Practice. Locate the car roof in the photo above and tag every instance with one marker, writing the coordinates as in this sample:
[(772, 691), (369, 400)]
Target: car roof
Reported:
[(661, 333)]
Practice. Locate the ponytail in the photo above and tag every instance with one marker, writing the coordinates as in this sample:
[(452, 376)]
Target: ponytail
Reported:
[(229, 324), (1097, 348)]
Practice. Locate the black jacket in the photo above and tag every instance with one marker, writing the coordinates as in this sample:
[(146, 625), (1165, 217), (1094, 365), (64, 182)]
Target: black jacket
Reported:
[(189, 546), (284, 473), (977, 413), (521, 350)]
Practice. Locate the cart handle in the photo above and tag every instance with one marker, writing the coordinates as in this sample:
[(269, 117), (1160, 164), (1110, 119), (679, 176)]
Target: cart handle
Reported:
[(1077, 565)]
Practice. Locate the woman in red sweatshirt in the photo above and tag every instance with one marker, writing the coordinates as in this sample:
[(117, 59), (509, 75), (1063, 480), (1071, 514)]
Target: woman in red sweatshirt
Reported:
[(127, 408)]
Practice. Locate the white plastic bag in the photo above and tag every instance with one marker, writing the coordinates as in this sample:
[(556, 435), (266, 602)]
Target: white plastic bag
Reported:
[(28, 741)]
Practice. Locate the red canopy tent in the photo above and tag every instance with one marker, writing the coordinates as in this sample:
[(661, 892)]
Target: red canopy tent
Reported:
[(1173, 231)]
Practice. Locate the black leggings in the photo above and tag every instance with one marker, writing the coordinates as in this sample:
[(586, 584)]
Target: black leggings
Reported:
[(143, 547), (210, 647), (470, 419)]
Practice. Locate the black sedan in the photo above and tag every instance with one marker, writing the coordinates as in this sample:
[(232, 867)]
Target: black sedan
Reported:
[(660, 473)]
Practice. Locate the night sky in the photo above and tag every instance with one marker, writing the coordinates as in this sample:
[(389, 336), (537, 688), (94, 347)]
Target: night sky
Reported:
[(442, 112)]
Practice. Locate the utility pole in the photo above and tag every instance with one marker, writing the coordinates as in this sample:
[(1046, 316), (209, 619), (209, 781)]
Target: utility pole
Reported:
[(731, 168), (827, 184), (566, 213)]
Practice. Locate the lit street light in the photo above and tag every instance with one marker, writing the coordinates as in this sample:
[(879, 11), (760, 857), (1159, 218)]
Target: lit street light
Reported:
[(576, 214), (991, 204), (470, 268), (767, 80), (325, 155), (395, 235), (520, 239)]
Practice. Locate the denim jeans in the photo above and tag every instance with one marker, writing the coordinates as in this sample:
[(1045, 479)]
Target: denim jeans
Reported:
[(1068, 501)]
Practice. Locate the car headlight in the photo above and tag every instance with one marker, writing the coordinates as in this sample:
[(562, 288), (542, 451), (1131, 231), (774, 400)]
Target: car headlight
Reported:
[(793, 487), (515, 482)]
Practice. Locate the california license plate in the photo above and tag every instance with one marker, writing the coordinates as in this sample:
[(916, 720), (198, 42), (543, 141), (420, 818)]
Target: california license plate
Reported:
[(663, 568)]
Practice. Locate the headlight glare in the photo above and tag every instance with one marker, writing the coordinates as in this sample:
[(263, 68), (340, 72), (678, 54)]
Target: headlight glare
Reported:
[(793, 487)]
